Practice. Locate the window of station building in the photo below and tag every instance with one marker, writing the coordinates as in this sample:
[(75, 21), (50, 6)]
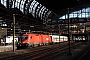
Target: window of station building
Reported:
[(30, 8), (43, 12), (79, 16), (34, 8), (37, 10), (88, 10), (40, 11), (27, 6), (13, 2), (83, 13), (17, 3), (54, 21), (4, 25), (83, 10), (10, 3), (4, 2), (71, 15), (49, 12), (63, 17), (74, 15), (89, 15), (22, 5)]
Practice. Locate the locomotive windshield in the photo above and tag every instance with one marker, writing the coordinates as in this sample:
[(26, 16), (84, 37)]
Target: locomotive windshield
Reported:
[(24, 37)]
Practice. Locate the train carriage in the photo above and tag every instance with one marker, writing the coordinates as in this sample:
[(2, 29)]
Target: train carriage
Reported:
[(57, 38)]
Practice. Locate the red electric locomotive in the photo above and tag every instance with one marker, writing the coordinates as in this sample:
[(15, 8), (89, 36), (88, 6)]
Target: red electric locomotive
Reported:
[(34, 40)]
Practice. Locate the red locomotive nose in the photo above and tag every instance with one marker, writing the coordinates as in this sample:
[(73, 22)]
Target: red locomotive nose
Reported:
[(24, 41)]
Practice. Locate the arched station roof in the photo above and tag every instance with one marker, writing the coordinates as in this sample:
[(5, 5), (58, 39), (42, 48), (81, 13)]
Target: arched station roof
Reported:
[(37, 12), (59, 6)]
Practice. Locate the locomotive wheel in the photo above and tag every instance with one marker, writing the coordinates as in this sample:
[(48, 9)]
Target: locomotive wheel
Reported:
[(27, 45), (32, 45), (38, 44)]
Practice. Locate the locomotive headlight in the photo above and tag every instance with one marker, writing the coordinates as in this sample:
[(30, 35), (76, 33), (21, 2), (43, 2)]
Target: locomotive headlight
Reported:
[(23, 42), (47, 39)]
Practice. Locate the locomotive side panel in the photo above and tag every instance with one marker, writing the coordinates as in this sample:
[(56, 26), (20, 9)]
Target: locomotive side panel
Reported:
[(46, 38)]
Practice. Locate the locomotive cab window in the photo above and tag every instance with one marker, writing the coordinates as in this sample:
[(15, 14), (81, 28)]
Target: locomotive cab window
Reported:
[(24, 37), (30, 37)]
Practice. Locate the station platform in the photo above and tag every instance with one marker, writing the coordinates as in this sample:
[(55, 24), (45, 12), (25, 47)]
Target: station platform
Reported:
[(77, 53), (6, 48)]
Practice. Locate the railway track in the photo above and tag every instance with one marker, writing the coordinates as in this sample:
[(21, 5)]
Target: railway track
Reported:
[(42, 53)]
